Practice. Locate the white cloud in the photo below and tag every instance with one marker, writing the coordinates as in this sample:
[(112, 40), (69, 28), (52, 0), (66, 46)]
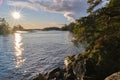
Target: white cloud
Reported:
[(71, 9)]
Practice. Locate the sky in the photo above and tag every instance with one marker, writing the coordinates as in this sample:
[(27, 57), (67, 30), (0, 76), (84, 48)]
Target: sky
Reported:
[(43, 13)]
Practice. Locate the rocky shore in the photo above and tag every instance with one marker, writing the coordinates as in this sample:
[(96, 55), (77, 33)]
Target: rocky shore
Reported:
[(77, 67)]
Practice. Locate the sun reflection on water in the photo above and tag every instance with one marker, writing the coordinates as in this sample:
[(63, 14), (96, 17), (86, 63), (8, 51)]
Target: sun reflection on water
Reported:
[(18, 50)]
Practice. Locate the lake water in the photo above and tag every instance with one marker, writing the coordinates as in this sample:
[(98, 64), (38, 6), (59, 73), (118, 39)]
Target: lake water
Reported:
[(25, 54)]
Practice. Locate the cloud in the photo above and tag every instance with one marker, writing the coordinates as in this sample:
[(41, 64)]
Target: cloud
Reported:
[(71, 9)]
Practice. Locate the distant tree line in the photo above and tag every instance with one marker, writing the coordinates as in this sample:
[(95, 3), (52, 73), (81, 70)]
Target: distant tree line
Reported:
[(50, 28)]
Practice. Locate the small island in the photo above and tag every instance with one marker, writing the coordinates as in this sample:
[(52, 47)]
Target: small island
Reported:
[(50, 28)]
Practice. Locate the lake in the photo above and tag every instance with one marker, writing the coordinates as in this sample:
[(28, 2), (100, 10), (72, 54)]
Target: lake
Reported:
[(25, 54)]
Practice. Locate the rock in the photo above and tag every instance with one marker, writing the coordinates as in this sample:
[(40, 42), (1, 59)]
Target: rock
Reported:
[(55, 74), (39, 77), (115, 76), (79, 69), (69, 75)]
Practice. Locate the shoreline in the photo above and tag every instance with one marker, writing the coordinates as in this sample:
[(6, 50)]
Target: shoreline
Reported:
[(76, 68)]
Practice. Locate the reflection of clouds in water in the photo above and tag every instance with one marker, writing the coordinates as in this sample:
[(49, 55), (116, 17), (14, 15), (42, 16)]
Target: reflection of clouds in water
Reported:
[(18, 49)]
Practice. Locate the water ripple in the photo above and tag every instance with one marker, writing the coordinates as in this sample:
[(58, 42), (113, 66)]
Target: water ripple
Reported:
[(24, 54)]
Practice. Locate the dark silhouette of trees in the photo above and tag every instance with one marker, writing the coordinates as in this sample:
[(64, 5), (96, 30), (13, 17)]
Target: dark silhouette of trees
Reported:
[(18, 28), (4, 27)]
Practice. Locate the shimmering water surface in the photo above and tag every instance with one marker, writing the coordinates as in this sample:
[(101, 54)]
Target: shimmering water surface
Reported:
[(25, 54)]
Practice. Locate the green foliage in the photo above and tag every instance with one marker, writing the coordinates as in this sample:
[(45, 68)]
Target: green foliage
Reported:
[(69, 61), (18, 28), (93, 4), (69, 27), (114, 3), (101, 31), (4, 29)]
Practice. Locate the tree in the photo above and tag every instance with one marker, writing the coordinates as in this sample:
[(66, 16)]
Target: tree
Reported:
[(4, 28), (101, 31), (18, 28)]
